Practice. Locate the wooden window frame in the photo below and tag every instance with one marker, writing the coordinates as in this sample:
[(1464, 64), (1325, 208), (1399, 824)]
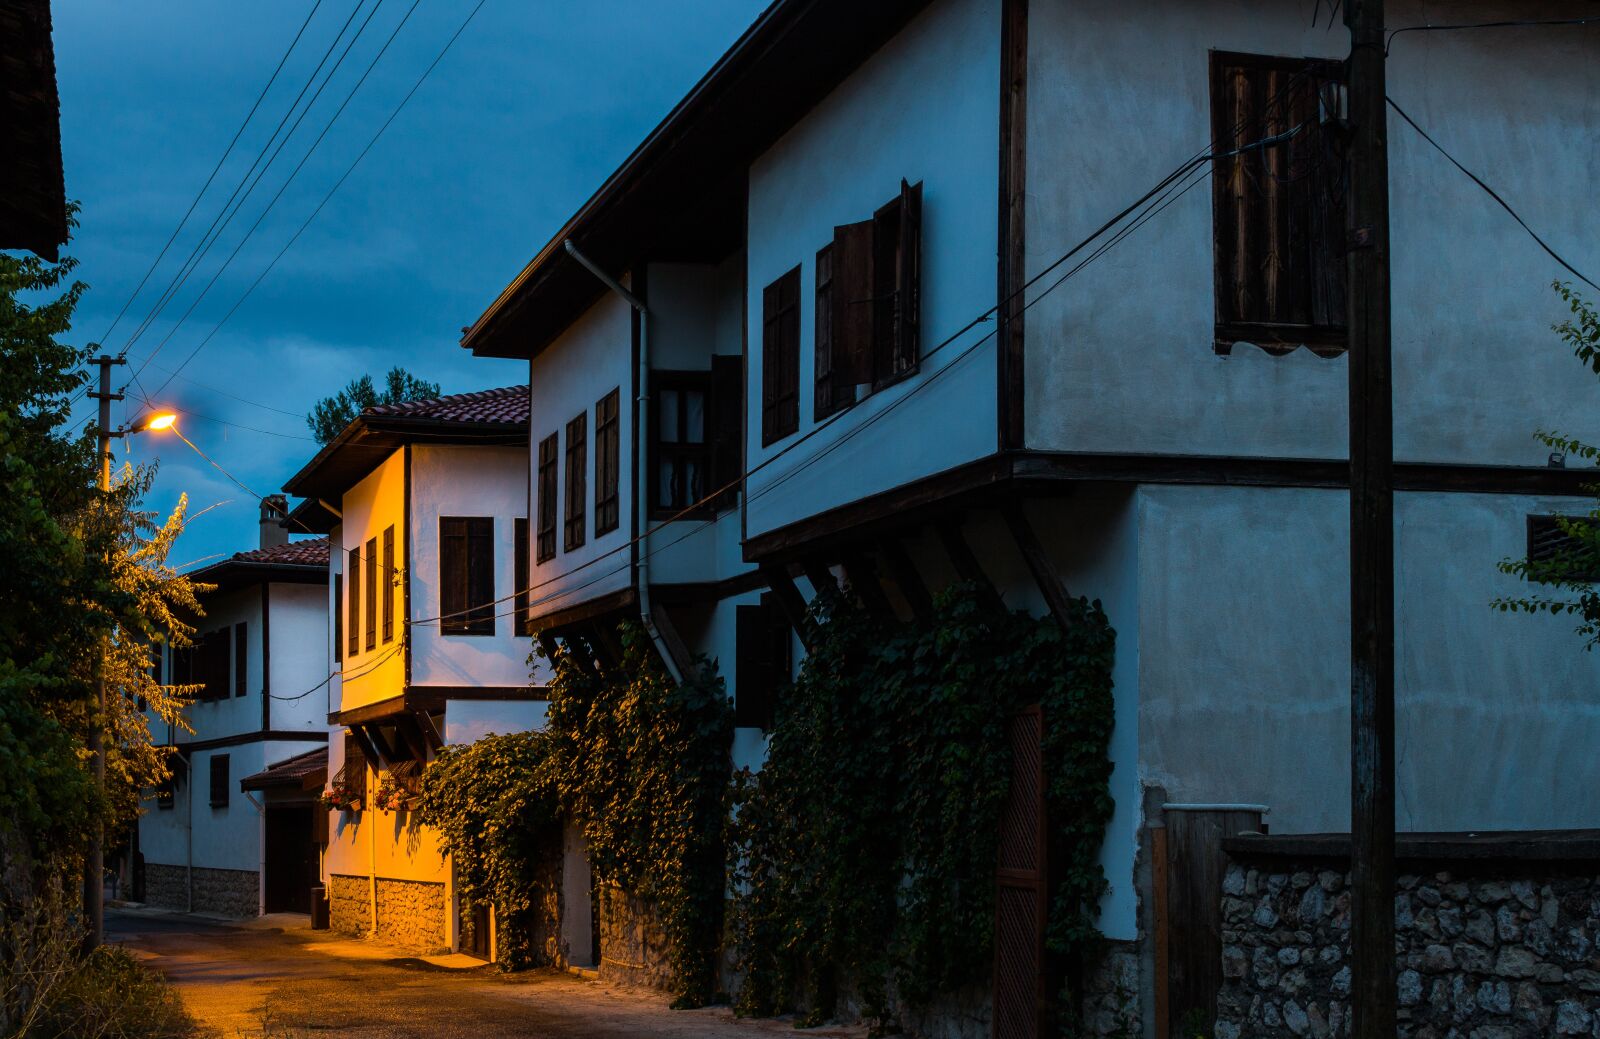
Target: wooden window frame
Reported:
[(219, 791), (1301, 214), (388, 584), (467, 610), (575, 520), (338, 618), (682, 450), (241, 657), (352, 628), (548, 507), (608, 462), (826, 394), (764, 662), (372, 594), (522, 576), (780, 357)]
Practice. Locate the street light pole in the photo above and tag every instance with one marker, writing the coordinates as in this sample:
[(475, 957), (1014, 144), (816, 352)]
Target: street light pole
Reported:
[(94, 907)]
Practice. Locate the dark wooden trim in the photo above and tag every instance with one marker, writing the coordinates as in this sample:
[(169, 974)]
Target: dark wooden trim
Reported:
[(241, 738), (1012, 268), (688, 592), (907, 578), (612, 602), (1038, 563), (603, 641), (405, 727), (368, 751), (430, 731), (672, 639), (432, 698), (266, 657), (790, 601), (820, 576), (374, 734), (965, 560)]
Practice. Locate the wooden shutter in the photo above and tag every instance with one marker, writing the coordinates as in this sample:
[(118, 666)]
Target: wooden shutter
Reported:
[(1021, 896), (908, 281), (241, 656), (353, 586), (480, 575), (607, 463), (452, 575), (896, 256), (338, 618), (546, 548), (852, 310), (780, 358), (575, 525), (372, 593), (822, 388), (219, 781), (388, 584), (726, 405), (521, 576)]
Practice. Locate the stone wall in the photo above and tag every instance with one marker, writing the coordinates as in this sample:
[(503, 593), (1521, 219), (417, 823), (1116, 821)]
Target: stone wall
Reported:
[(349, 904), (1486, 950), (411, 914), (633, 949), (1111, 1005), (226, 892)]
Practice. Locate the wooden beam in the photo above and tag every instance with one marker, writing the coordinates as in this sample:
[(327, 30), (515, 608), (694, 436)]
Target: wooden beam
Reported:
[(966, 563), (1038, 563), (379, 740), (367, 749), (907, 578), (430, 731), (607, 646), (862, 574), (405, 727), (790, 602), (682, 659), (820, 576)]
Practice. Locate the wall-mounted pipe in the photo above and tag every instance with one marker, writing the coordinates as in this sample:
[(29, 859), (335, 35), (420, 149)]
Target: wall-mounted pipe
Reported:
[(641, 483)]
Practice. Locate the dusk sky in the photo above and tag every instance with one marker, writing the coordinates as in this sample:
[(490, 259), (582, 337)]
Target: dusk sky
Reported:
[(533, 106)]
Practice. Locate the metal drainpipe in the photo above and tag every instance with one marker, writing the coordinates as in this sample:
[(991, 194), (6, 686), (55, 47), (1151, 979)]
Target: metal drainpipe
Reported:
[(641, 487)]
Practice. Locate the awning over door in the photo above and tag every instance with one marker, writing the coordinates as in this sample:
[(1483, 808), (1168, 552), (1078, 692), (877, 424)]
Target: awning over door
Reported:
[(308, 771)]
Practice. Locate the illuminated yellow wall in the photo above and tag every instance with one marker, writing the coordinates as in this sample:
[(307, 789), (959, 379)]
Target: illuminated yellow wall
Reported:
[(376, 502)]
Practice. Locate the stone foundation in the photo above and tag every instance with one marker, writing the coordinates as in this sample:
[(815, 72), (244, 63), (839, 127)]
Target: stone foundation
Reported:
[(1111, 993), (633, 949), (349, 904), (411, 914), (1505, 951), (227, 892)]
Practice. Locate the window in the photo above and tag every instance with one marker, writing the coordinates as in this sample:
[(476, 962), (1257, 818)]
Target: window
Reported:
[(522, 576), (1279, 209), (607, 464), (546, 549), (466, 575), (573, 526), (338, 618), (353, 628), (869, 282), (780, 358), (352, 775), (696, 446), (241, 657), (1559, 555), (763, 666), (219, 781), (165, 791), (206, 664), (372, 593), (388, 584)]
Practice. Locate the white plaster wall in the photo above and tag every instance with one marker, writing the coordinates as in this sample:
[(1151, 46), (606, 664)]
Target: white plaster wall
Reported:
[(467, 721), (1244, 668), (1120, 358), (298, 658), (233, 714), (590, 359), (376, 502), (924, 107), (453, 480)]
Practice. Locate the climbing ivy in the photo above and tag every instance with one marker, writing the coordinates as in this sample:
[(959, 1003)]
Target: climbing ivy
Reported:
[(495, 807), (642, 766), (864, 852)]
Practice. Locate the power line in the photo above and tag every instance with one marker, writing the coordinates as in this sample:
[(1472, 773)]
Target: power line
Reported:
[(1494, 195), (1529, 24)]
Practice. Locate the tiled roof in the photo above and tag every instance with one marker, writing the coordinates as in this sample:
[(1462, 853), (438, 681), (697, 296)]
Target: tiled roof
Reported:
[(310, 552), (508, 404), (306, 771)]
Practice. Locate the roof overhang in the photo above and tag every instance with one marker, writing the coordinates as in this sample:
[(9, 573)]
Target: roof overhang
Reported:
[(365, 443), (681, 194), (33, 195), (301, 773), (233, 574)]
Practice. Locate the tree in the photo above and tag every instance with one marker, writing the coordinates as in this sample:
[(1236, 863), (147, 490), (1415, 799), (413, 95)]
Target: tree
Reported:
[(1568, 574), (330, 415)]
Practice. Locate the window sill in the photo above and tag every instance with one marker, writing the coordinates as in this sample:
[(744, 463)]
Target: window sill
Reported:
[(467, 634)]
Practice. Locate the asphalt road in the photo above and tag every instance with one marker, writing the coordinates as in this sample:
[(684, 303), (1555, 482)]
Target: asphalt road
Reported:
[(261, 981)]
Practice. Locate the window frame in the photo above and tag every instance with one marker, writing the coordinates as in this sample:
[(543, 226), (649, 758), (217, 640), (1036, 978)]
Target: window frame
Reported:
[(467, 619), (388, 584), (241, 657), (780, 357), (213, 791), (548, 461), (608, 462), (338, 618), (522, 577), (352, 628), (372, 594), (680, 382), (575, 518)]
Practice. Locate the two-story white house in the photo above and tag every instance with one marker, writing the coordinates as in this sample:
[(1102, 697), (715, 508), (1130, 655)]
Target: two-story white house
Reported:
[(216, 838), (887, 215), (425, 504)]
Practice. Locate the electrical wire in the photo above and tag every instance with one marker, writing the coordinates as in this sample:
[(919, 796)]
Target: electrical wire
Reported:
[(1389, 44)]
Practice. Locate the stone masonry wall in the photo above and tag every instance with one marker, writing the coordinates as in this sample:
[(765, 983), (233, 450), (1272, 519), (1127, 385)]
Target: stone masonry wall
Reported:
[(349, 904), (1502, 953), (226, 892), (633, 948), (411, 914)]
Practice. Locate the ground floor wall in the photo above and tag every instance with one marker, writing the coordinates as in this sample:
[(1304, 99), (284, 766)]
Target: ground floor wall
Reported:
[(225, 892)]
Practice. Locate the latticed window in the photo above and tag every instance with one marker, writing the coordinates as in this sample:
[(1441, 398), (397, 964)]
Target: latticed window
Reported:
[(607, 462)]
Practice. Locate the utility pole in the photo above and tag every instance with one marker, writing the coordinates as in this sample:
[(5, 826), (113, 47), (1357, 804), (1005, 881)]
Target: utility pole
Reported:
[(94, 907), (1372, 869)]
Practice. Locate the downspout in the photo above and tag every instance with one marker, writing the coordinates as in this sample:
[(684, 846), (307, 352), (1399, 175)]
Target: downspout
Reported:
[(641, 483)]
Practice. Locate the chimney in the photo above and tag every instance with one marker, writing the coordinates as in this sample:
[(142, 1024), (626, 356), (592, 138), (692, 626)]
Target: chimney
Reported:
[(274, 513)]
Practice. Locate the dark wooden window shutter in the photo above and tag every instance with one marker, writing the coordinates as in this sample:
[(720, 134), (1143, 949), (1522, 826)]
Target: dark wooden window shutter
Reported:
[(522, 575), (763, 666), (780, 358), (241, 657), (388, 584), (727, 428), (823, 401), (338, 618), (607, 462), (896, 274), (372, 593), (219, 781), (353, 774), (353, 586), (1278, 209), (466, 575), (852, 326), (548, 450), (575, 522)]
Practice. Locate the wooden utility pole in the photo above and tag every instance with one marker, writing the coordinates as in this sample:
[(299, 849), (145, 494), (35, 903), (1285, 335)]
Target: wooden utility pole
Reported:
[(1372, 870), (94, 908)]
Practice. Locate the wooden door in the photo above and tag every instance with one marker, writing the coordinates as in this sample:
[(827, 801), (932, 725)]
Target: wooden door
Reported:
[(477, 932), (291, 858), (1021, 896)]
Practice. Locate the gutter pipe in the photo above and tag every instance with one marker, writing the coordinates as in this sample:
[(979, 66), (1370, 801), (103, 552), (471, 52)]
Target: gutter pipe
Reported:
[(641, 495)]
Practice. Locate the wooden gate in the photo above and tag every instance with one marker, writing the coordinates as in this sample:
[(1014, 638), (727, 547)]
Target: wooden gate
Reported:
[(291, 858), (1188, 867), (1021, 896)]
